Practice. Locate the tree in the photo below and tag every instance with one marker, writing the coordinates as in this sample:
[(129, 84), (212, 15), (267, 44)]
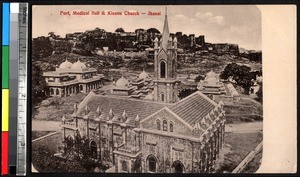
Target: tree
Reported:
[(240, 73), (41, 48), (38, 85), (53, 35), (153, 30), (198, 78), (83, 155), (120, 30), (259, 93)]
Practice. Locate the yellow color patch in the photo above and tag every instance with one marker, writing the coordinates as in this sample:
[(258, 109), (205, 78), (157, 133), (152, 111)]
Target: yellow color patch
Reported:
[(5, 109)]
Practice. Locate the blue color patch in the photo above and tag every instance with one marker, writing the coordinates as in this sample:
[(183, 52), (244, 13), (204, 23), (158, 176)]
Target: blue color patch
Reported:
[(5, 24)]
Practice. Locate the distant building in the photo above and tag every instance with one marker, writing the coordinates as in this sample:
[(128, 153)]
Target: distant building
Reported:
[(200, 41), (137, 88), (70, 79), (211, 85), (225, 48), (216, 90)]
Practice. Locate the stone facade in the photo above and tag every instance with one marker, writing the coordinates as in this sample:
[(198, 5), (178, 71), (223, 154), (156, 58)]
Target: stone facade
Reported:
[(159, 143)]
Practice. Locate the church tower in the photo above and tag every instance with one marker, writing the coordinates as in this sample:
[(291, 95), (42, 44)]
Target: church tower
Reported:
[(165, 63)]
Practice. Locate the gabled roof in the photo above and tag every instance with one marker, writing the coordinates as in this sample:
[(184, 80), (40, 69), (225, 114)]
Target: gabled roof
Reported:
[(190, 110), (166, 109), (133, 107), (193, 108)]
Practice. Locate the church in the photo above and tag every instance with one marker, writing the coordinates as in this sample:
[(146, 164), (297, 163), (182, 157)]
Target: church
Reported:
[(163, 135)]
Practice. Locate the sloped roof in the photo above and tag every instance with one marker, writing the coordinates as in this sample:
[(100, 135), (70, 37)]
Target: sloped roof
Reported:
[(133, 107), (193, 108)]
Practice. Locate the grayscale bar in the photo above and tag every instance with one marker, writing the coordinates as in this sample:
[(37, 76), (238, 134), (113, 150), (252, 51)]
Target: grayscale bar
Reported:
[(13, 83)]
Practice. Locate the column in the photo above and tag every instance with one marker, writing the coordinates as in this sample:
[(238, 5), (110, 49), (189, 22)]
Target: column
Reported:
[(217, 141), (168, 94), (223, 134), (206, 159), (118, 166)]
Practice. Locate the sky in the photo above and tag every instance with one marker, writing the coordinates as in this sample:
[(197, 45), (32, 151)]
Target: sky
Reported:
[(237, 24)]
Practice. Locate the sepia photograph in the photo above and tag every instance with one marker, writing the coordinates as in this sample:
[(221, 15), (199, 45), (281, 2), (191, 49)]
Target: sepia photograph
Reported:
[(146, 89)]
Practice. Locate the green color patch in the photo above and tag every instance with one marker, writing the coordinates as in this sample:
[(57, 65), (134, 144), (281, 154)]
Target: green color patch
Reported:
[(5, 66)]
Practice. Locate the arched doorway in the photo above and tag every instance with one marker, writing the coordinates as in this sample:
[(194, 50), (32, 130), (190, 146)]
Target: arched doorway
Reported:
[(93, 148), (177, 167), (151, 162), (69, 143)]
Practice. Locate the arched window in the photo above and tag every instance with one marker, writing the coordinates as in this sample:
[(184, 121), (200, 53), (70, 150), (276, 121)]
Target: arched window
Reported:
[(152, 163), (158, 124), (171, 127), (162, 69), (51, 91), (162, 97), (165, 125), (69, 142), (93, 149), (124, 165), (57, 92)]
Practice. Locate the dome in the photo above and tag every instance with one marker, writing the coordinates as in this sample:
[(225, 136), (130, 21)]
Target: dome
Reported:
[(122, 82), (144, 75), (211, 74), (65, 64), (78, 66), (212, 80)]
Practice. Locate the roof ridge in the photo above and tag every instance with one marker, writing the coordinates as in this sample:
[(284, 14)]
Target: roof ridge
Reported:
[(84, 101), (206, 98), (137, 100), (178, 117), (180, 101)]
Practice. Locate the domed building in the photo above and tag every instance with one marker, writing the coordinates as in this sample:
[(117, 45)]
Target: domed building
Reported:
[(122, 87), (122, 83), (78, 66), (69, 79), (137, 88), (65, 65), (216, 90), (211, 85), (144, 75)]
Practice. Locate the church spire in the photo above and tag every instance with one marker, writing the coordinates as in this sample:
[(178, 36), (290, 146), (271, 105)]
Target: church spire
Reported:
[(165, 34)]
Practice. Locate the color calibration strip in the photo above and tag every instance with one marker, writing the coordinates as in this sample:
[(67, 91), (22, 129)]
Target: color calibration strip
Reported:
[(14, 88), (5, 87)]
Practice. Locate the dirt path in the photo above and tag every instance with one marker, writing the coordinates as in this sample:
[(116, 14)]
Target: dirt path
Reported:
[(244, 127), (43, 125)]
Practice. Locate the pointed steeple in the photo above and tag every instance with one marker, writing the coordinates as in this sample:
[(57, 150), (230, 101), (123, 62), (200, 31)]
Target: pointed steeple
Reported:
[(165, 34)]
